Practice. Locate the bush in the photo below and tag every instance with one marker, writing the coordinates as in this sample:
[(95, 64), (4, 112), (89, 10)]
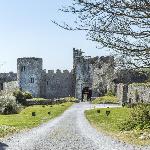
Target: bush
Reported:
[(28, 95), (139, 118), (22, 96), (9, 106), (105, 99)]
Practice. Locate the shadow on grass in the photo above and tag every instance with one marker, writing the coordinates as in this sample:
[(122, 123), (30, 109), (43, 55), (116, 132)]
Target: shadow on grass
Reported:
[(3, 146)]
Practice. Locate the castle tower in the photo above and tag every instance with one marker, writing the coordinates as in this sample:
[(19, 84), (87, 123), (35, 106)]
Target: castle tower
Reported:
[(29, 74), (82, 72)]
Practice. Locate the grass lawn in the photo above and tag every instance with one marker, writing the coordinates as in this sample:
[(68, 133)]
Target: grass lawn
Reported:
[(24, 120), (105, 99), (110, 124)]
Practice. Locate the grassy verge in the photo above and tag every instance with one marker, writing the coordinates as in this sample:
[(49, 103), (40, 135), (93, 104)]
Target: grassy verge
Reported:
[(13, 123), (38, 99), (105, 99), (110, 124)]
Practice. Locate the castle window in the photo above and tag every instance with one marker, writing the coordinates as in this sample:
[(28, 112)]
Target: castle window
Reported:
[(32, 80), (47, 82), (23, 68), (1, 88)]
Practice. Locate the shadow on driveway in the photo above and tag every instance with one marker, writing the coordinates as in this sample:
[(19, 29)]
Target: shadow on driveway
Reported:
[(3, 146)]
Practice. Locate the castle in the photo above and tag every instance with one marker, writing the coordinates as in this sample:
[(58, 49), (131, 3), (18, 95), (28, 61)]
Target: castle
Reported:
[(90, 77), (88, 74)]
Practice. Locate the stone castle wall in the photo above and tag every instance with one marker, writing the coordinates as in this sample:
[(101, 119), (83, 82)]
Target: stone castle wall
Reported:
[(29, 75), (103, 74), (8, 89), (134, 93), (96, 73), (7, 77), (57, 85), (139, 92), (83, 72)]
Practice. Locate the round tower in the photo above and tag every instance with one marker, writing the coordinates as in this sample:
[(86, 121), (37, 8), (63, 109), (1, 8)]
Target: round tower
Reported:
[(29, 74)]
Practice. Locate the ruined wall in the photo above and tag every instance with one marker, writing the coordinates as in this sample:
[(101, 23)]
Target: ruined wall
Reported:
[(122, 93), (29, 74), (139, 92), (133, 93), (7, 77), (8, 89)]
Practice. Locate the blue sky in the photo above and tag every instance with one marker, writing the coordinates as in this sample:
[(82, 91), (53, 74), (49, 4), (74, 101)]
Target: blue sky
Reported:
[(26, 31)]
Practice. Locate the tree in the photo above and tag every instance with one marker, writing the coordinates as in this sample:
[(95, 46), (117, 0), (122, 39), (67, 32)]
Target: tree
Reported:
[(121, 25)]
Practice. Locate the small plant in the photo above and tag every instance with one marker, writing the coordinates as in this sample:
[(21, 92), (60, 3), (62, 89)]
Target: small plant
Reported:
[(33, 114), (98, 111), (107, 112)]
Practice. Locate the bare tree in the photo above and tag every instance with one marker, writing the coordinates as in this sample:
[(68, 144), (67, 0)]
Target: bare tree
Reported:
[(121, 25)]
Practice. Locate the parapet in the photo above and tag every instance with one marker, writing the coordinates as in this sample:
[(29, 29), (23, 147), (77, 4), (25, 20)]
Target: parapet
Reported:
[(51, 72), (66, 71)]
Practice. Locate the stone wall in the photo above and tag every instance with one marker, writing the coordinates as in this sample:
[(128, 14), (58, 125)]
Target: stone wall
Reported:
[(139, 92), (95, 73), (8, 89), (83, 72), (29, 74), (7, 77), (133, 93), (103, 74), (59, 84), (122, 92)]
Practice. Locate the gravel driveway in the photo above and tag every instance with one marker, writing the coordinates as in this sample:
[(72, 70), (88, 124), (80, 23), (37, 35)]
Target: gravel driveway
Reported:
[(70, 131)]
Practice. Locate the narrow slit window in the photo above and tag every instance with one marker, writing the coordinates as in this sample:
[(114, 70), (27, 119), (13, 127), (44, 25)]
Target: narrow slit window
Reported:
[(32, 80), (1, 88), (47, 82), (23, 68)]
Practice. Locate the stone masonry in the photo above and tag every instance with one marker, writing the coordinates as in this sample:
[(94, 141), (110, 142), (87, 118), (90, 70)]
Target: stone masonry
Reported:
[(95, 74)]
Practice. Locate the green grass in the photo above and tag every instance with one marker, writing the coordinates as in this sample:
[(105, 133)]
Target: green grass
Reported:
[(105, 99), (70, 99), (38, 99), (110, 124), (24, 120)]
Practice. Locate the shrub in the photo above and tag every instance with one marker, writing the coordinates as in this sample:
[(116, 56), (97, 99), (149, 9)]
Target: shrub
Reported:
[(22, 96), (9, 106), (139, 118), (28, 95)]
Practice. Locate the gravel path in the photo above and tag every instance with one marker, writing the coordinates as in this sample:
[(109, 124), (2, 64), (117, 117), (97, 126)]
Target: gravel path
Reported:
[(71, 131)]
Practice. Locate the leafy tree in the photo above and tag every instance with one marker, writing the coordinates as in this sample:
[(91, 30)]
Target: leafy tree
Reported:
[(121, 25)]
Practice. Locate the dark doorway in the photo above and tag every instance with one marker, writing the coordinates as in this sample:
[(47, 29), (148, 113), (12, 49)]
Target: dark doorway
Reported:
[(86, 94)]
